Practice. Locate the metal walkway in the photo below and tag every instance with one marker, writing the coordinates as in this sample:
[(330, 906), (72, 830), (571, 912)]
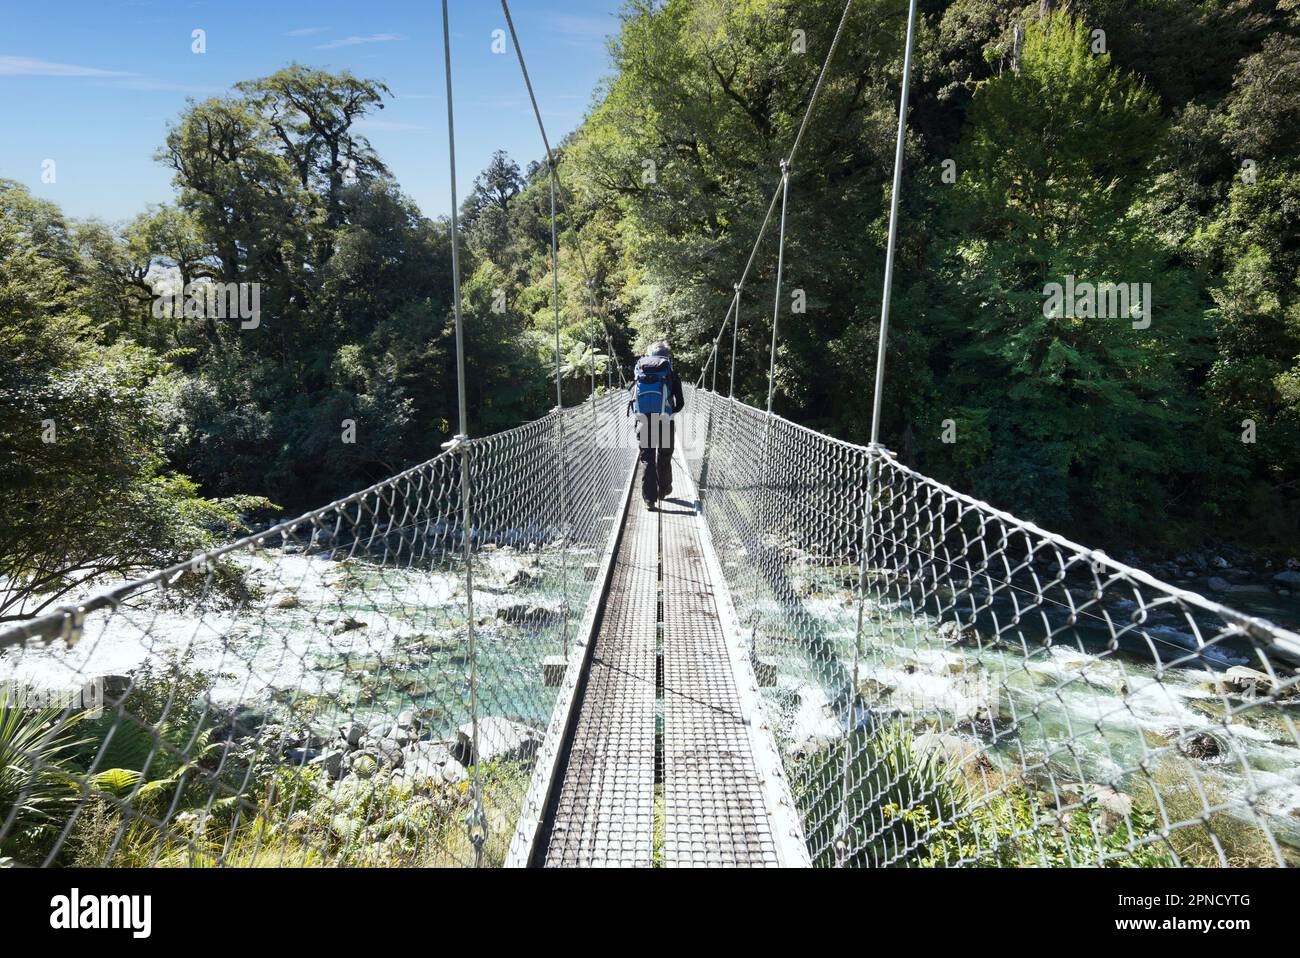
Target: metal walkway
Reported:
[(605, 811), (662, 647)]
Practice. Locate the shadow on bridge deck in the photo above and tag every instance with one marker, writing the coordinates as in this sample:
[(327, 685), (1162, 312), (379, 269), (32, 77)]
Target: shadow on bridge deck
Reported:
[(667, 761)]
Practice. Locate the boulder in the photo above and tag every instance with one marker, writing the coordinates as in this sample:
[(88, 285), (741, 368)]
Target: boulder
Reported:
[(402, 736), (1114, 805), (113, 686), (764, 671), (522, 579), (353, 734), (331, 762), (1288, 579), (424, 646), (425, 760), (499, 739), (1217, 584), (954, 632), (362, 764), (390, 752), (348, 624), (453, 773), (107, 689), (528, 615), (1242, 678), (301, 756), (249, 721)]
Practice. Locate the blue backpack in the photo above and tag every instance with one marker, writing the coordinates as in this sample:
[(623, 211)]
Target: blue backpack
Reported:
[(652, 389)]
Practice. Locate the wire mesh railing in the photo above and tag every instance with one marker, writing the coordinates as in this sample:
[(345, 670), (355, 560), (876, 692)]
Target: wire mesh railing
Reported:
[(301, 697), (951, 686)]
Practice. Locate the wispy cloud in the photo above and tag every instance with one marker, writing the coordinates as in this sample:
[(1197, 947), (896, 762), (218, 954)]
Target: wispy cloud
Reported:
[(306, 31), (354, 41), (32, 67)]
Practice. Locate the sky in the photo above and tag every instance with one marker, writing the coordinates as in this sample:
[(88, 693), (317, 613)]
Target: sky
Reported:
[(92, 84)]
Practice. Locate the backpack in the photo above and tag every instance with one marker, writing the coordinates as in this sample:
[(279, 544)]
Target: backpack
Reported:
[(652, 389)]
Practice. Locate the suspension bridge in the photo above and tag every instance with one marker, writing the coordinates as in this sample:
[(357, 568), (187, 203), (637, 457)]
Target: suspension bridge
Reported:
[(809, 654)]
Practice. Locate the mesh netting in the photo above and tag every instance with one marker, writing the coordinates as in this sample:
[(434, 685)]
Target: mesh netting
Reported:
[(953, 686), (303, 696), (948, 685)]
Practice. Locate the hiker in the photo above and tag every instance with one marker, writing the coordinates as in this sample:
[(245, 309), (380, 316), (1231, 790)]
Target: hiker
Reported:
[(656, 394)]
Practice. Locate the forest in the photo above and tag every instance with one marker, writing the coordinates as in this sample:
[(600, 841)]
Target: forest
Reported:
[(1150, 144)]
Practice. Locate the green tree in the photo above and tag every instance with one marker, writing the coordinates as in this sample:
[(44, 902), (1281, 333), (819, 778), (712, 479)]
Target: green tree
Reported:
[(1054, 158), (87, 489)]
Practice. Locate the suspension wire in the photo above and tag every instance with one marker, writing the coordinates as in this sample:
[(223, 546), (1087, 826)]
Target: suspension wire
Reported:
[(591, 327), (559, 422), (771, 369), (780, 266), (477, 821), (550, 171), (555, 293), (735, 329), (555, 297), (865, 545), (552, 165), (893, 227), (771, 206), (869, 532), (713, 386), (787, 165)]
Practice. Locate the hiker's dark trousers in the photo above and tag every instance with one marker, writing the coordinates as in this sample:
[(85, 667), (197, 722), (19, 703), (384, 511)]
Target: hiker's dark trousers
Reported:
[(656, 440)]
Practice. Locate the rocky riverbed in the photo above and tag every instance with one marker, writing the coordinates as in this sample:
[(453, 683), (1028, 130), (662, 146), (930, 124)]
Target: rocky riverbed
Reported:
[(1269, 588), (329, 644), (1206, 732)]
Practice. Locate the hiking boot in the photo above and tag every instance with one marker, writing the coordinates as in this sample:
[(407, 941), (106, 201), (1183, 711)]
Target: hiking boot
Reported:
[(649, 504)]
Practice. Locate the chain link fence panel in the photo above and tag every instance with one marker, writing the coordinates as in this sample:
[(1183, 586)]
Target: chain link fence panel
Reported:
[(952, 686), (302, 696)]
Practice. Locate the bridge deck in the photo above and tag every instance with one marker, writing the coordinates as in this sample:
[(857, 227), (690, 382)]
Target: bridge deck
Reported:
[(605, 811), (714, 812), (721, 806)]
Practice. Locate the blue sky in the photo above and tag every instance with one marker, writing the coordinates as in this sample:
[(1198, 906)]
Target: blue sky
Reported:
[(92, 84)]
